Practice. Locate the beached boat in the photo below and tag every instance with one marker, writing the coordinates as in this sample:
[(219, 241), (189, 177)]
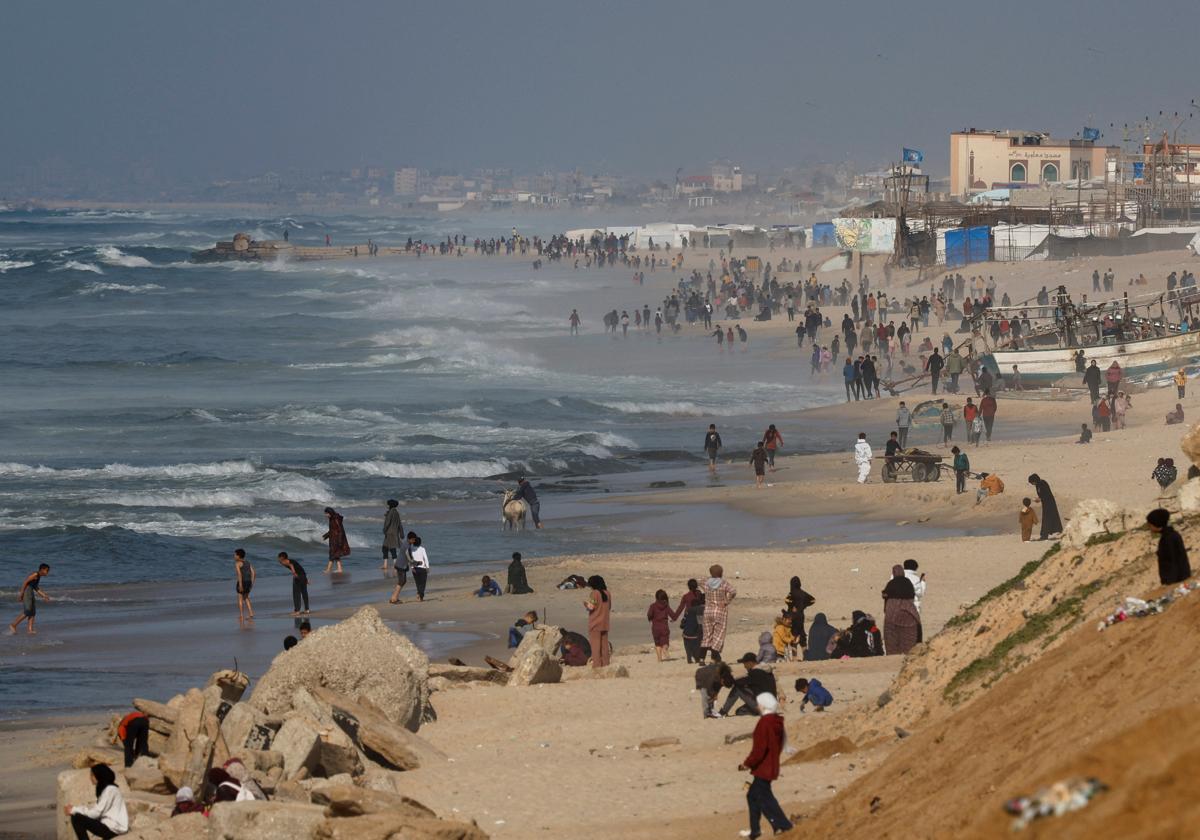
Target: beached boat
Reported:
[(1120, 330)]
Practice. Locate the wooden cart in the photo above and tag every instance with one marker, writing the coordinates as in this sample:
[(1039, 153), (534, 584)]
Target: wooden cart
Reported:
[(917, 465)]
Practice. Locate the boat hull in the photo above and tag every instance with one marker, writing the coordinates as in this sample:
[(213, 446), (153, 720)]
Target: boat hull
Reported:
[(1148, 356)]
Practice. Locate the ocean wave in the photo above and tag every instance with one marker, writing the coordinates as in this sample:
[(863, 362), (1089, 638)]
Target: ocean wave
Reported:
[(430, 470), (98, 288), (466, 413), (221, 469), (76, 265), (280, 488), (13, 265), (111, 255), (678, 409)]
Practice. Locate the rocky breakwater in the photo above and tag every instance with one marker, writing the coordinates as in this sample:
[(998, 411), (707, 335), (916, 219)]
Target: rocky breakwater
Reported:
[(326, 736)]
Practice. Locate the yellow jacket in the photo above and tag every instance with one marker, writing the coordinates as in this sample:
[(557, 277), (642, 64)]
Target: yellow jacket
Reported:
[(992, 484), (1181, 378), (782, 636)]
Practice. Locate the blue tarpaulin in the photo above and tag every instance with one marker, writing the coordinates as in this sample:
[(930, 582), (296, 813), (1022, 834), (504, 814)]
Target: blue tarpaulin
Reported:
[(823, 235), (966, 245)]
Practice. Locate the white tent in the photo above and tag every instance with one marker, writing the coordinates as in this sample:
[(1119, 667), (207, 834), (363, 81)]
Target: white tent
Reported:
[(662, 234)]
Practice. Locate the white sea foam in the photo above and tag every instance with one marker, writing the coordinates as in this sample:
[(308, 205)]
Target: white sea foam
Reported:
[(12, 265), (112, 255), (76, 265), (280, 488), (431, 470), (680, 409), (98, 288), (466, 413), (222, 469)]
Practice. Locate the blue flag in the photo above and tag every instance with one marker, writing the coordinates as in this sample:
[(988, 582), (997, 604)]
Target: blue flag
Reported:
[(1091, 134), (913, 156)]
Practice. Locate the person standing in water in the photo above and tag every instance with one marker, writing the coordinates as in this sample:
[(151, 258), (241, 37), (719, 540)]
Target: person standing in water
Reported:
[(574, 321), (393, 532), (712, 445), (758, 460), (527, 494), (339, 545), (245, 576), (31, 587), (420, 563), (772, 440), (299, 582)]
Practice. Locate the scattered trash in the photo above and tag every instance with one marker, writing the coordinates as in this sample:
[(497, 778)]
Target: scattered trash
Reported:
[(1137, 608), (1054, 801)]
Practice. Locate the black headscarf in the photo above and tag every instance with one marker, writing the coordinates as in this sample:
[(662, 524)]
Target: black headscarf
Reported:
[(819, 635), (899, 587), (104, 777)]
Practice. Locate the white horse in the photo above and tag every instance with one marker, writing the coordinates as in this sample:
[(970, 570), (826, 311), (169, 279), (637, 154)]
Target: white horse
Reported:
[(512, 511)]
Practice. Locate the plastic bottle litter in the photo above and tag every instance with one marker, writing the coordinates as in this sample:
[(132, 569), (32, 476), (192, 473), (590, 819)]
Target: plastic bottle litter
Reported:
[(1137, 608)]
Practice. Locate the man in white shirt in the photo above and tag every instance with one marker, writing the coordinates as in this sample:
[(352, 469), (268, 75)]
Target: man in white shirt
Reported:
[(917, 580), (862, 457)]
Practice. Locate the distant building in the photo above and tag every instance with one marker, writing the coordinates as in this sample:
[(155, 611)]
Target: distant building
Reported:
[(693, 184), (407, 181), (984, 160), (727, 177)]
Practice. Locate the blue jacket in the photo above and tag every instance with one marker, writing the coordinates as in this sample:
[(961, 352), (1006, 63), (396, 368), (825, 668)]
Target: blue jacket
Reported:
[(818, 694)]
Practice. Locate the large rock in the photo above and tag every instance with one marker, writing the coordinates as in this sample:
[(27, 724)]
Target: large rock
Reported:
[(182, 827), (75, 787), (188, 721), (358, 658), (299, 742), (91, 756), (200, 760), (147, 809), (1092, 517), (381, 740), (264, 821), (351, 801), (1190, 444), (145, 775), (608, 672), (393, 825), (244, 729), (537, 666), (338, 753), (542, 636), (454, 675), (1189, 496)]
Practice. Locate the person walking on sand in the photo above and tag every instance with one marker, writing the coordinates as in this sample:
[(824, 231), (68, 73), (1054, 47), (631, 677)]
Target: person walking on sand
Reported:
[(660, 615), (769, 740), (599, 608), (339, 546), (30, 588), (934, 366), (1113, 377), (244, 576), (772, 440), (718, 594), (948, 420), (758, 460), (987, 410), (1051, 523), (903, 423), (862, 457), (420, 563), (917, 580), (1173, 565), (299, 582), (962, 466), (1180, 383), (1091, 378), (393, 533), (712, 445), (1028, 518)]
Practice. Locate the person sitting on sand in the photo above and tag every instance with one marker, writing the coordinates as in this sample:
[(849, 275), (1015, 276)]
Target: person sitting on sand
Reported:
[(766, 647), (572, 582), (487, 588), (1085, 434), (1028, 518), (710, 679), (518, 583), (783, 640), (861, 639), (106, 819), (1165, 473), (573, 653), (821, 635), (522, 626), (1175, 417), (32, 586), (185, 802), (989, 485), (815, 693)]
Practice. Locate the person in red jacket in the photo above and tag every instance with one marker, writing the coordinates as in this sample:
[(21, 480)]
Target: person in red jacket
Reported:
[(987, 410), (134, 733), (763, 763)]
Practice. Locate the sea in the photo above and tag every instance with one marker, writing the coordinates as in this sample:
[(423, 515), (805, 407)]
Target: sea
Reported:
[(158, 413)]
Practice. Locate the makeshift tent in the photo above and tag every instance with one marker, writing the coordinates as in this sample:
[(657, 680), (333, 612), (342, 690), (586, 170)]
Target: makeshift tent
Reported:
[(1065, 244), (663, 234), (1020, 242), (967, 245), (823, 235)]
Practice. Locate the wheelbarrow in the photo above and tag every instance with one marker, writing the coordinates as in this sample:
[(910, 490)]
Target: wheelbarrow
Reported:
[(915, 464)]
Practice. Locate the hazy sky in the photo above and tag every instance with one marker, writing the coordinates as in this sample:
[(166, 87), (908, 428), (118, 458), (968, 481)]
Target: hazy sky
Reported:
[(226, 88)]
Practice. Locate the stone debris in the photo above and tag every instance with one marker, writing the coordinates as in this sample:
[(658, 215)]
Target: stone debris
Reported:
[(1053, 801), (1137, 608)]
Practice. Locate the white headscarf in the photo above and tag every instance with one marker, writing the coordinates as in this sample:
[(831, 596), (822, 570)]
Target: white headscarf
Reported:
[(767, 703)]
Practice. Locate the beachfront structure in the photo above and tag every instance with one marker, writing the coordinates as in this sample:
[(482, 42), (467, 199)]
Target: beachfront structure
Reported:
[(986, 160)]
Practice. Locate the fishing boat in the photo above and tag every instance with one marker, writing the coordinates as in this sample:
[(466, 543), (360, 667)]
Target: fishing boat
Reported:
[(1126, 331)]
